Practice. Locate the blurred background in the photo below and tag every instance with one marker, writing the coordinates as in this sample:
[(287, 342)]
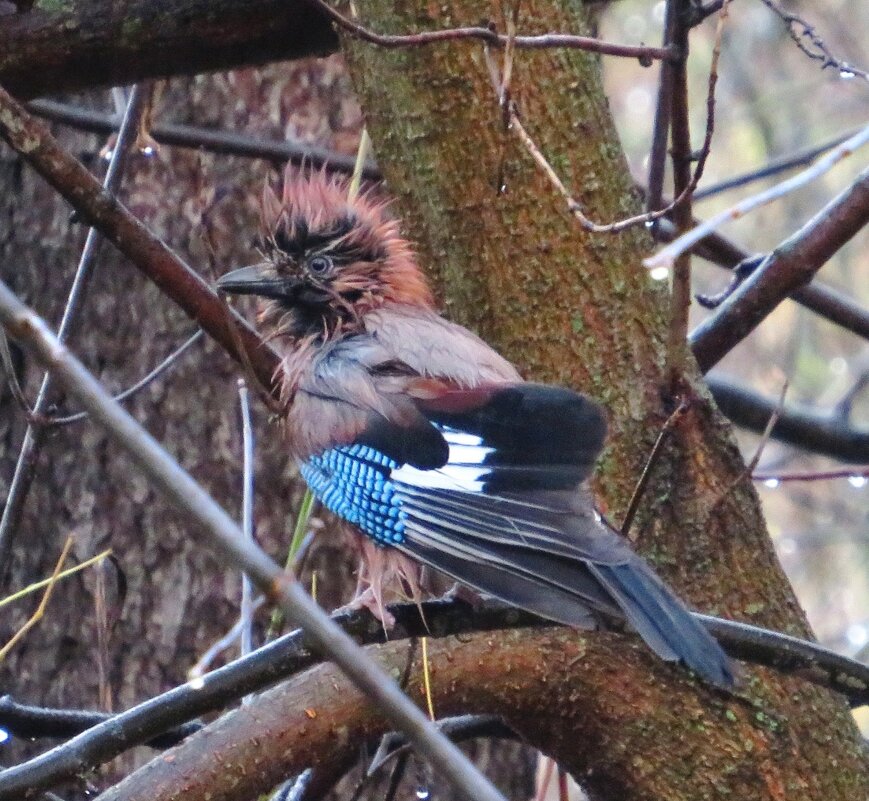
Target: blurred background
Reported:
[(771, 101)]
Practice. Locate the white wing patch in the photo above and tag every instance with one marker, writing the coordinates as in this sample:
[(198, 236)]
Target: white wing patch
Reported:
[(464, 471)]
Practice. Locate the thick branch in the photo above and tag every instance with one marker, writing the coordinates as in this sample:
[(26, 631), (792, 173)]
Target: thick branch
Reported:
[(158, 720), (110, 43), (103, 43), (555, 688), (790, 266)]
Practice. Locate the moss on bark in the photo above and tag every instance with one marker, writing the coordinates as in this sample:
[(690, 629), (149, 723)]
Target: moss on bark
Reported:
[(579, 309)]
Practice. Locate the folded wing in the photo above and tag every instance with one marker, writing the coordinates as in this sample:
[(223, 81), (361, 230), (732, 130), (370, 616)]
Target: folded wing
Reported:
[(483, 484)]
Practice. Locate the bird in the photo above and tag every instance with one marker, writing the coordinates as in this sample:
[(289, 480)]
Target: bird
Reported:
[(428, 442)]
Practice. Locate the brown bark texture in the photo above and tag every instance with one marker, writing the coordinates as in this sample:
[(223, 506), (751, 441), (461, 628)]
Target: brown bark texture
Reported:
[(62, 45), (586, 695), (110, 641), (579, 309)]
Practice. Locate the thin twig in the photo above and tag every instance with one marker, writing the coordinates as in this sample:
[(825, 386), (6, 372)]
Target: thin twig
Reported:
[(802, 427), (493, 39), (654, 455), (132, 390), (225, 536), (12, 377), (224, 643), (773, 167), (38, 585), (753, 462), (229, 143), (575, 208), (767, 433), (25, 466), (807, 39), (667, 255), (857, 473), (246, 612)]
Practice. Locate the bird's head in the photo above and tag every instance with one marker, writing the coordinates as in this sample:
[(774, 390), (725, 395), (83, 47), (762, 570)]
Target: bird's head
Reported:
[(327, 260)]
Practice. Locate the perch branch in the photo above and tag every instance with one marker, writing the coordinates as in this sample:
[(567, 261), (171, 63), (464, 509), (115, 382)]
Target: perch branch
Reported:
[(225, 536)]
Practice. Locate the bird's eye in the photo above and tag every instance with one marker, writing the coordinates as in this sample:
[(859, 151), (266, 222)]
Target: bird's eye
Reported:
[(320, 265)]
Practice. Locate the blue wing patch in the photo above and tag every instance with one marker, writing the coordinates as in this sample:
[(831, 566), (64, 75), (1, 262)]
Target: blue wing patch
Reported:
[(353, 482)]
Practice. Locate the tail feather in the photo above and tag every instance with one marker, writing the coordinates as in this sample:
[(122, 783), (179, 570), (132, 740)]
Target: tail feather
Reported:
[(663, 621)]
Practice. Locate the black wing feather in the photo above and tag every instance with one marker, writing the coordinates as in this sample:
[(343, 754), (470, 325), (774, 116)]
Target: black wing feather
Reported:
[(505, 514)]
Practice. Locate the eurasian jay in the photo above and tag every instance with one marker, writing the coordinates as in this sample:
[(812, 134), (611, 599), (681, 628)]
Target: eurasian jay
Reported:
[(429, 443)]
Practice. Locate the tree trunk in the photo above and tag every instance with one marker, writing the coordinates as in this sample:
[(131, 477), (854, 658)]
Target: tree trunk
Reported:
[(166, 598), (575, 308)]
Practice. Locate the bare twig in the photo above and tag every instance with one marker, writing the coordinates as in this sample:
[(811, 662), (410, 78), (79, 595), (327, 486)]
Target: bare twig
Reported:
[(38, 585), (12, 377), (25, 466), (494, 39), (246, 612), (132, 390), (226, 537), (773, 167), (39, 613), (857, 473), (791, 265), (227, 143), (515, 124), (767, 433), (809, 41), (224, 643), (655, 454), (665, 257)]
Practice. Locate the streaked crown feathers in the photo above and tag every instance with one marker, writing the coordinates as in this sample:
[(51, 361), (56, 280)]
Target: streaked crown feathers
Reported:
[(314, 215)]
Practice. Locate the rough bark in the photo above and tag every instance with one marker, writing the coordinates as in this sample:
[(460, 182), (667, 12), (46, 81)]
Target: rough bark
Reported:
[(60, 45), (592, 698), (178, 599), (579, 309)]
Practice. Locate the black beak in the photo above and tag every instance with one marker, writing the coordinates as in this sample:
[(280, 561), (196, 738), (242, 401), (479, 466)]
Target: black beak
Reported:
[(253, 281)]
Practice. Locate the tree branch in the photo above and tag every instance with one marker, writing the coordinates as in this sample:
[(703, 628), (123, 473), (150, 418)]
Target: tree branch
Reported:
[(803, 428), (99, 43), (790, 266), (289, 727), (91, 44), (216, 141), (161, 716)]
